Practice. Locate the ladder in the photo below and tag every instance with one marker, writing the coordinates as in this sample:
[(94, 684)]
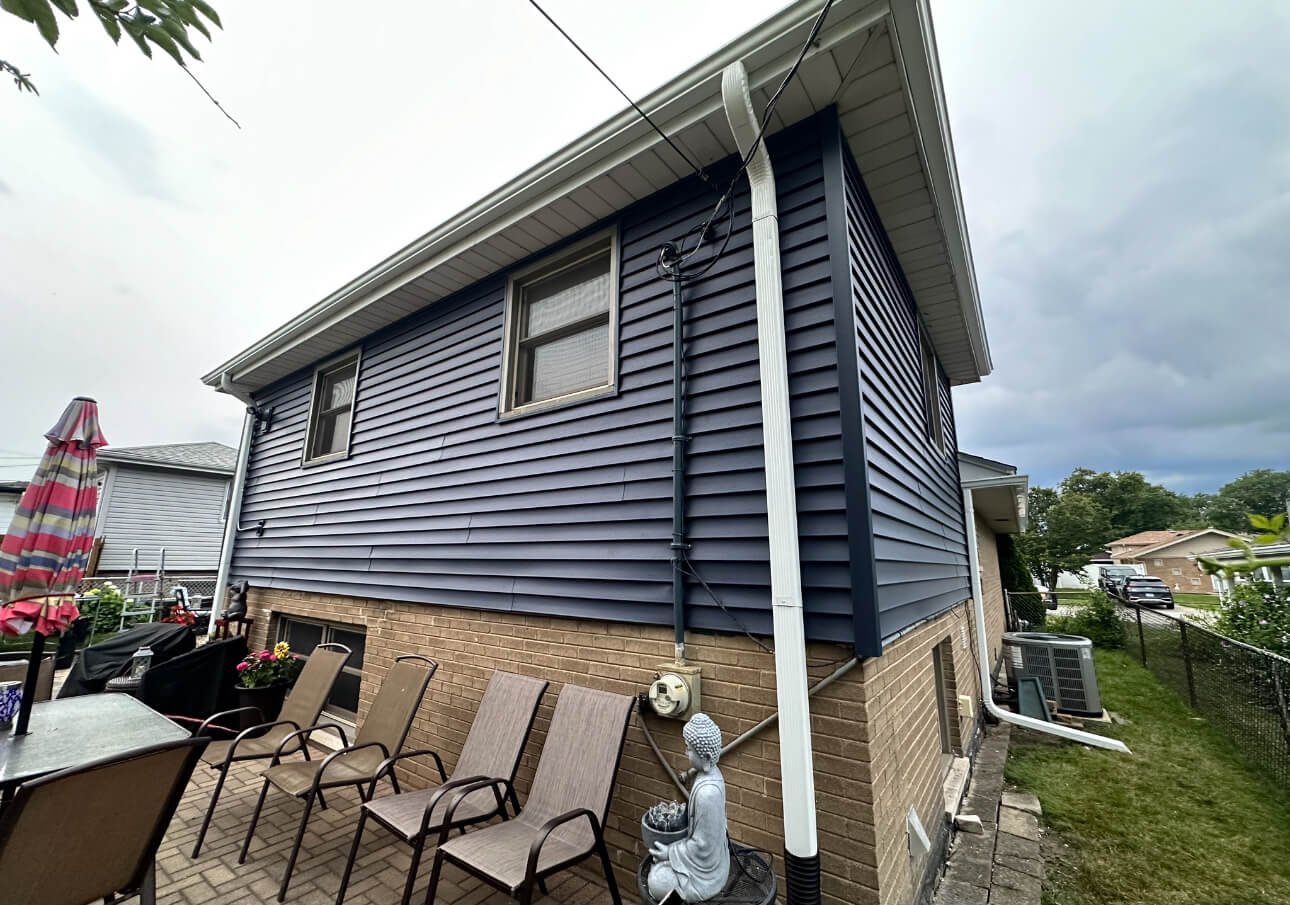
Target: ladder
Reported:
[(144, 589)]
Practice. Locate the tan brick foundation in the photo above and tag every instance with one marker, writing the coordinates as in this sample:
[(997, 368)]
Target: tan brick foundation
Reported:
[(875, 731)]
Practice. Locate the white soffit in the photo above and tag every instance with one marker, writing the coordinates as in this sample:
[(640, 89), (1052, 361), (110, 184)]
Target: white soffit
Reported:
[(874, 60)]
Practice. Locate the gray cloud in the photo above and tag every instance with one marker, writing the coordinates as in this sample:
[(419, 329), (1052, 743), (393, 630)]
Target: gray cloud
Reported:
[(1137, 303)]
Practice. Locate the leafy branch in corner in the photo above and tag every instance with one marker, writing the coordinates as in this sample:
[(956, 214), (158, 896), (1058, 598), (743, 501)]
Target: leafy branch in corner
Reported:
[(151, 24)]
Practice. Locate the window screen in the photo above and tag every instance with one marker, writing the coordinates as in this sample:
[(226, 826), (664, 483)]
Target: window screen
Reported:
[(931, 393), (331, 411), (561, 323)]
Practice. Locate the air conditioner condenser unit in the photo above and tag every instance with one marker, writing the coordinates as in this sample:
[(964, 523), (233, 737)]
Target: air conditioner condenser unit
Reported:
[(1063, 664)]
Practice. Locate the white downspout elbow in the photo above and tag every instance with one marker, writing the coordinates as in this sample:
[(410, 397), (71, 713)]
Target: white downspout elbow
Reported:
[(233, 517), (801, 846), (983, 656)]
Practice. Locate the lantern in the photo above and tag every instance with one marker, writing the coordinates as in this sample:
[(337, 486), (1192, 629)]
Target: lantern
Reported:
[(140, 662)]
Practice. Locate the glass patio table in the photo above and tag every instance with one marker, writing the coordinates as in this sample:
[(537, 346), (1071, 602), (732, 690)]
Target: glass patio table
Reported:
[(72, 732)]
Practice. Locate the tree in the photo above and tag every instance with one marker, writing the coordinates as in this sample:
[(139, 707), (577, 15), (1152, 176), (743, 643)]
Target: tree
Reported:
[(1261, 490), (163, 24), (1132, 503), (1066, 531)]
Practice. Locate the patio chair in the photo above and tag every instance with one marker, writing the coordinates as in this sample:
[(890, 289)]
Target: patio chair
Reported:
[(370, 759), (92, 832), (286, 735), (491, 753), (13, 668), (562, 822)]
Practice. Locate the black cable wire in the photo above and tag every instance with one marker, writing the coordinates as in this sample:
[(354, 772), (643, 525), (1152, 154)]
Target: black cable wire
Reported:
[(679, 262), (643, 115)]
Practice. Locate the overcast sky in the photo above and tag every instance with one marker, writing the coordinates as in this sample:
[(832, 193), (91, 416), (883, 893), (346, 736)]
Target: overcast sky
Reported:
[(1125, 169)]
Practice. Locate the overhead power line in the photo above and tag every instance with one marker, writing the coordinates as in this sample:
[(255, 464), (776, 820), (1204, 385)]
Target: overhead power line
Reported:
[(635, 106)]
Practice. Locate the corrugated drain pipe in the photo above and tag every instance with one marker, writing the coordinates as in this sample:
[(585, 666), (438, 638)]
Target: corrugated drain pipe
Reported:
[(801, 845)]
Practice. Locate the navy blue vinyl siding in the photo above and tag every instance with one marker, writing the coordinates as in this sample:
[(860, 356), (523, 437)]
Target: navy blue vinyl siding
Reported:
[(567, 512), (912, 496)]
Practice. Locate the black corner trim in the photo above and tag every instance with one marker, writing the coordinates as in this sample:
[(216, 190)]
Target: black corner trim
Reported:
[(855, 460)]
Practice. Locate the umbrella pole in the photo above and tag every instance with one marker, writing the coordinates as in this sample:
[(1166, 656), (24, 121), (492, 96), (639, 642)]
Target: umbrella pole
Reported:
[(29, 687)]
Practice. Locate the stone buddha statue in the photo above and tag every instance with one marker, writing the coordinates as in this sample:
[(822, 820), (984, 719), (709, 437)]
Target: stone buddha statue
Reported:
[(697, 866)]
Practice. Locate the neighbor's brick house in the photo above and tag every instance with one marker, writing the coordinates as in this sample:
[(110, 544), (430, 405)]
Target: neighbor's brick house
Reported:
[(466, 452), (1171, 556)]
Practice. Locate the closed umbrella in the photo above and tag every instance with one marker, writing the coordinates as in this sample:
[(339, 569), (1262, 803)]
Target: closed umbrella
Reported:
[(44, 552)]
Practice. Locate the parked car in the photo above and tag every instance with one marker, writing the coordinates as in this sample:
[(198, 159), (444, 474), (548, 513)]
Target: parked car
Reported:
[(1146, 590), (1111, 576)]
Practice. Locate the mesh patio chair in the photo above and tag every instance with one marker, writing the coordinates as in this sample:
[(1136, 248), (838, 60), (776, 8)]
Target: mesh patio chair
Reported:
[(286, 735), (371, 758), (562, 822), (491, 754), (14, 669), (92, 832)]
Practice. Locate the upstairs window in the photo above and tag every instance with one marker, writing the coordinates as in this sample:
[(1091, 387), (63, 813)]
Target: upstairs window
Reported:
[(931, 393), (561, 328), (331, 411)]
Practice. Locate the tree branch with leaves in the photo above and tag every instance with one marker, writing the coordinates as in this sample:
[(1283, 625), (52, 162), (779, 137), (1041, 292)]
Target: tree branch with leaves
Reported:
[(165, 25)]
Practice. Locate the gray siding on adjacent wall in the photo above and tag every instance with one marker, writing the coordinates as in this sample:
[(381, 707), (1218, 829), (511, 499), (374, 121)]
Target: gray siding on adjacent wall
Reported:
[(152, 508), (567, 512), (920, 549)]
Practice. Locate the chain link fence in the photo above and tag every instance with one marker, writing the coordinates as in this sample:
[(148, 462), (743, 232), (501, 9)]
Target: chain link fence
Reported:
[(1244, 691), (1028, 610), (148, 595)]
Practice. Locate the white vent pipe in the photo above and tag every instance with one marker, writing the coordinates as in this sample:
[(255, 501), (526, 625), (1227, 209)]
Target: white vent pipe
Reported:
[(234, 514)]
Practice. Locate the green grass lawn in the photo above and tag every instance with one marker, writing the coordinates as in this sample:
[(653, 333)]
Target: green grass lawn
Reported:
[(1182, 821), (1198, 601)]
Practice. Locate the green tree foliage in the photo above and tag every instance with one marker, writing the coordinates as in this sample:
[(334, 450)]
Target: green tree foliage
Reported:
[(1261, 490), (1132, 503), (166, 25), (1013, 574), (1097, 619), (1257, 613), (1065, 532)]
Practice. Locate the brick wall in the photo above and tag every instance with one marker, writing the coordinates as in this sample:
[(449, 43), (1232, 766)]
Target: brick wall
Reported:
[(875, 732), (1187, 571), (991, 588)]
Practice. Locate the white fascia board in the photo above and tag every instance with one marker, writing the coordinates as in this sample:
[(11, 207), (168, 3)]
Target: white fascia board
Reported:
[(915, 45)]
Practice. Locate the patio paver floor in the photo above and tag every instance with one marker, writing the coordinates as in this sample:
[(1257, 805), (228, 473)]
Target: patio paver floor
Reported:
[(379, 873)]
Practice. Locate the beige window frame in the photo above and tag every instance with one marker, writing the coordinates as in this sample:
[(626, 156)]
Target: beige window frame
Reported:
[(516, 346), (316, 413), (931, 392)]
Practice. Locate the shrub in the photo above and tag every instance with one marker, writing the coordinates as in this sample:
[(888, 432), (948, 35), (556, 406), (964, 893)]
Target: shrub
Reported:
[(107, 611), (1098, 620), (1257, 613)]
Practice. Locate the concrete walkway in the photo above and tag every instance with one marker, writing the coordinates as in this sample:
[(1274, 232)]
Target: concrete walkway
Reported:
[(1002, 865)]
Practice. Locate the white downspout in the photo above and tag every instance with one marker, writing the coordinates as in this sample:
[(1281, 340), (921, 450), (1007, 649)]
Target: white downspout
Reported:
[(983, 656), (234, 515), (795, 760)]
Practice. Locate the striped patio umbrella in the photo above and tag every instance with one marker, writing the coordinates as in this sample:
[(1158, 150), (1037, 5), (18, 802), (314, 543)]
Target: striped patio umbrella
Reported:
[(44, 552)]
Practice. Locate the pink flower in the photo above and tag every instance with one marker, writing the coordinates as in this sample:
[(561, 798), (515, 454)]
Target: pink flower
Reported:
[(243, 665), (265, 655)]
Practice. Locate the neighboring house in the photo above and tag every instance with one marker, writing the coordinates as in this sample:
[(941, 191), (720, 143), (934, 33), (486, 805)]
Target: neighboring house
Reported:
[(172, 497), (1171, 555), (10, 494), (998, 509), (467, 451), (1276, 573)]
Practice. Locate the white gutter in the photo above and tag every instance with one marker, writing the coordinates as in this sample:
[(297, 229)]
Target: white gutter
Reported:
[(233, 517), (983, 657), (795, 760)]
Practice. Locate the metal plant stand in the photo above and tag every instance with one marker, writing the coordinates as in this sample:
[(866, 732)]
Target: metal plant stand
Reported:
[(752, 879)]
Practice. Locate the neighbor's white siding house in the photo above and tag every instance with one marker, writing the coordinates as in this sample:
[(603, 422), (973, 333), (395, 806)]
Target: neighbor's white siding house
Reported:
[(172, 497)]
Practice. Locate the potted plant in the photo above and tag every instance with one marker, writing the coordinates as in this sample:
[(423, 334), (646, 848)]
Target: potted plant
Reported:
[(665, 822), (263, 679)]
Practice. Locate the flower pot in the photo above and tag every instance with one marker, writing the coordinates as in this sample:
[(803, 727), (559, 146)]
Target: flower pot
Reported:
[(268, 698), (650, 835)]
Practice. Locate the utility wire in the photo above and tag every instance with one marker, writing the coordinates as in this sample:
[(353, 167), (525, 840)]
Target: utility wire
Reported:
[(673, 265), (643, 115)]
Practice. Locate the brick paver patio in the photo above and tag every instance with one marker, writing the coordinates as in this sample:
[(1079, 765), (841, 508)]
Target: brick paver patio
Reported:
[(379, 873)]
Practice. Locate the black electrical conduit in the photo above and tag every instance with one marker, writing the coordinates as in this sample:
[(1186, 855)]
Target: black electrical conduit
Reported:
[(679, 545)]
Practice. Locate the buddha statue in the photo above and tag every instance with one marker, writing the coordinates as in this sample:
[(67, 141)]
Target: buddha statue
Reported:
[(697, 866)]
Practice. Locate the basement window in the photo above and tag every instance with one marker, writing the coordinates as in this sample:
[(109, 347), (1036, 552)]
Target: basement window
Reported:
[(931, 393), (304, 635), (331, 410), (561, 328)]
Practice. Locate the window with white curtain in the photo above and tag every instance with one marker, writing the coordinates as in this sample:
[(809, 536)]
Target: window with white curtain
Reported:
[(331, 410), (561, 328)]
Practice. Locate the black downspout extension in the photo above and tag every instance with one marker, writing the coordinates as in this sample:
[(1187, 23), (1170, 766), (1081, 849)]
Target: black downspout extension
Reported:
[(679, 440), (803, 876)]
